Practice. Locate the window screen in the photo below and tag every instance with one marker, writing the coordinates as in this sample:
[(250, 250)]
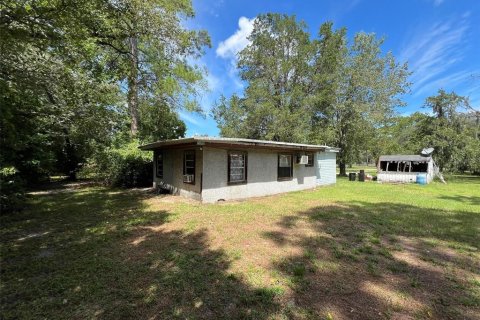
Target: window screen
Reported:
[(237, 167), (160, 165), (285, 166)]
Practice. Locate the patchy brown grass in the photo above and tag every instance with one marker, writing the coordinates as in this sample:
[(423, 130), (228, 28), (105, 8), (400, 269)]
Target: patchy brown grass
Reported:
[(352, 251)]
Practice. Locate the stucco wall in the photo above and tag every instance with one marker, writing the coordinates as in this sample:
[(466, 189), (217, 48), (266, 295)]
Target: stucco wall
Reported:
[(325, 164), (173, 173), (261, 176)]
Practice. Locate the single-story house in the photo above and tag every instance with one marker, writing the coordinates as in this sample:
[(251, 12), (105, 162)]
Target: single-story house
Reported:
[(213, 169), (404, 168)]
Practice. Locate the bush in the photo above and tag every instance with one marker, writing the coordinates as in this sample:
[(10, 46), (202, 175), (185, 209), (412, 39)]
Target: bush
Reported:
[(125, 166), (12, 191)]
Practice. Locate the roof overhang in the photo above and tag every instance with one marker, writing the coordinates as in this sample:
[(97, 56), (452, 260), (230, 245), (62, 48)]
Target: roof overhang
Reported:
[(401, 157), (235, 143)]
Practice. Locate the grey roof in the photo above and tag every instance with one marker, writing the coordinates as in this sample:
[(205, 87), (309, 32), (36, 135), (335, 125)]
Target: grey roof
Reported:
[(403, 157), (236, 142)]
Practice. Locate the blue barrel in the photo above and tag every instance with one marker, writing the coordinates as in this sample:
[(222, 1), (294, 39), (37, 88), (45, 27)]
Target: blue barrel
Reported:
[(422, 178)]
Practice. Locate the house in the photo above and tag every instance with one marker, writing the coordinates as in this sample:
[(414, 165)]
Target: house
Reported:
[(404, 168), (213, 169)]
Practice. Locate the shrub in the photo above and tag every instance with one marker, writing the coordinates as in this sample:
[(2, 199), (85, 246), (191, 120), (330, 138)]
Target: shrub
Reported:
[(125, 166), (12, 191)]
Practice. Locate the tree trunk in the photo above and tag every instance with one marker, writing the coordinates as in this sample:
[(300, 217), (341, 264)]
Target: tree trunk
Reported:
[(133, 86), (343, 168)]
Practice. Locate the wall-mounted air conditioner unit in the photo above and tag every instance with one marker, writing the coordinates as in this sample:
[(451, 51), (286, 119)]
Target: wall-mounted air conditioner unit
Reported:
[(304, 159), (188, 178)]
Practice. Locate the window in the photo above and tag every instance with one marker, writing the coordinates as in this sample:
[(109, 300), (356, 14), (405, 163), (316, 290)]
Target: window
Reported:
[(310, 160), (189, 166), (237, 167), (160, 165), (419, 167), (285, 168), (383, 165), (392, 166)]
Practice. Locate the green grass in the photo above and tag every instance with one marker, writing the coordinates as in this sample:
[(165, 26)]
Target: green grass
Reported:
[(353, 250)]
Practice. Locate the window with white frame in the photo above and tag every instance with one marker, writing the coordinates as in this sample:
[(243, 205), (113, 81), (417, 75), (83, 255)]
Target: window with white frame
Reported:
[(237, 167), (189, 166)]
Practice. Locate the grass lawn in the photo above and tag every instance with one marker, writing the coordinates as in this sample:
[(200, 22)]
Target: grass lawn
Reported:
[(351, 251)]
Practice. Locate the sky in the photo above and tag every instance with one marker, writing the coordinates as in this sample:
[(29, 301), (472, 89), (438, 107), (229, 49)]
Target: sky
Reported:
[(440, 40)]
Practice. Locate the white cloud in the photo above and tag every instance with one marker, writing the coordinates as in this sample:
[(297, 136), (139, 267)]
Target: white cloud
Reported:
[(187, 117), (213, 82), (434, 52), (229, 48), (436, 3)]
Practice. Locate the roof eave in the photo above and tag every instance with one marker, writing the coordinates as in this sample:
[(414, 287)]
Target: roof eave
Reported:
[(232, 143)]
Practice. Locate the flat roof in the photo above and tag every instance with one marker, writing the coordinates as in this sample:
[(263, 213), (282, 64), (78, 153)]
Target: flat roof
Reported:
[(405, 157), (239, 142)]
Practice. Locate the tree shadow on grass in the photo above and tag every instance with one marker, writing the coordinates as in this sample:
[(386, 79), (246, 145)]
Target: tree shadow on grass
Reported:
[(98, 253), (464, 199), (382, 260)]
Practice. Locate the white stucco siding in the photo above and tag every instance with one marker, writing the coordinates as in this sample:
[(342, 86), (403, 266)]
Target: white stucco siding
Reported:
[(261, 176), (325, 167), (173, 173)]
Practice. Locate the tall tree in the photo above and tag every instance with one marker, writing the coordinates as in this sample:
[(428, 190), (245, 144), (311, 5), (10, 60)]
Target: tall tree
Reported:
[(151, 52), (323, 91), (54, 98), (275, 66), (447, 128), (68, 67), (363, 94)]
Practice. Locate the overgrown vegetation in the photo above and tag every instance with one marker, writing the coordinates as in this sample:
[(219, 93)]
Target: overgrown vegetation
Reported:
[(124, 166), (76, 77), (354, 250)]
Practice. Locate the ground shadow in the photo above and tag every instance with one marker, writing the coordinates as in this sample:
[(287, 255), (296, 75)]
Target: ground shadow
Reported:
[(98, 253), (382, 260)]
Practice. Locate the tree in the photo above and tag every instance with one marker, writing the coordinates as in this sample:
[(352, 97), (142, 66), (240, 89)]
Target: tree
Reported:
[(402, 135), (322, 91), (64, 65), (52, 92), (159, 122), (365, 93), (151, 52), (275, 65), (448, 128)]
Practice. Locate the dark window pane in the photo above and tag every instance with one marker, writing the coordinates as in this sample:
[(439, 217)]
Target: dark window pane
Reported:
[(284, 166), (310, 159)]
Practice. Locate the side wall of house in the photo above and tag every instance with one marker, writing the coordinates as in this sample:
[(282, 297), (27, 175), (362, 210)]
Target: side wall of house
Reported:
[(173, 173), (261, 176), (325, 165)]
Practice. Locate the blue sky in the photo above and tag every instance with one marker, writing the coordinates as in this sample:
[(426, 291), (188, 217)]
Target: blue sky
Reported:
[(440, 40)]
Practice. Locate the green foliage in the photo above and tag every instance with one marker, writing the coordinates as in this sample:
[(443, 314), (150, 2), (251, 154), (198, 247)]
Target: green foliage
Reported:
[(159, 122), (11, 189), (123, 166), (65, 74), (320, 91), (360, 93), (276, 68), (448, 129)]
